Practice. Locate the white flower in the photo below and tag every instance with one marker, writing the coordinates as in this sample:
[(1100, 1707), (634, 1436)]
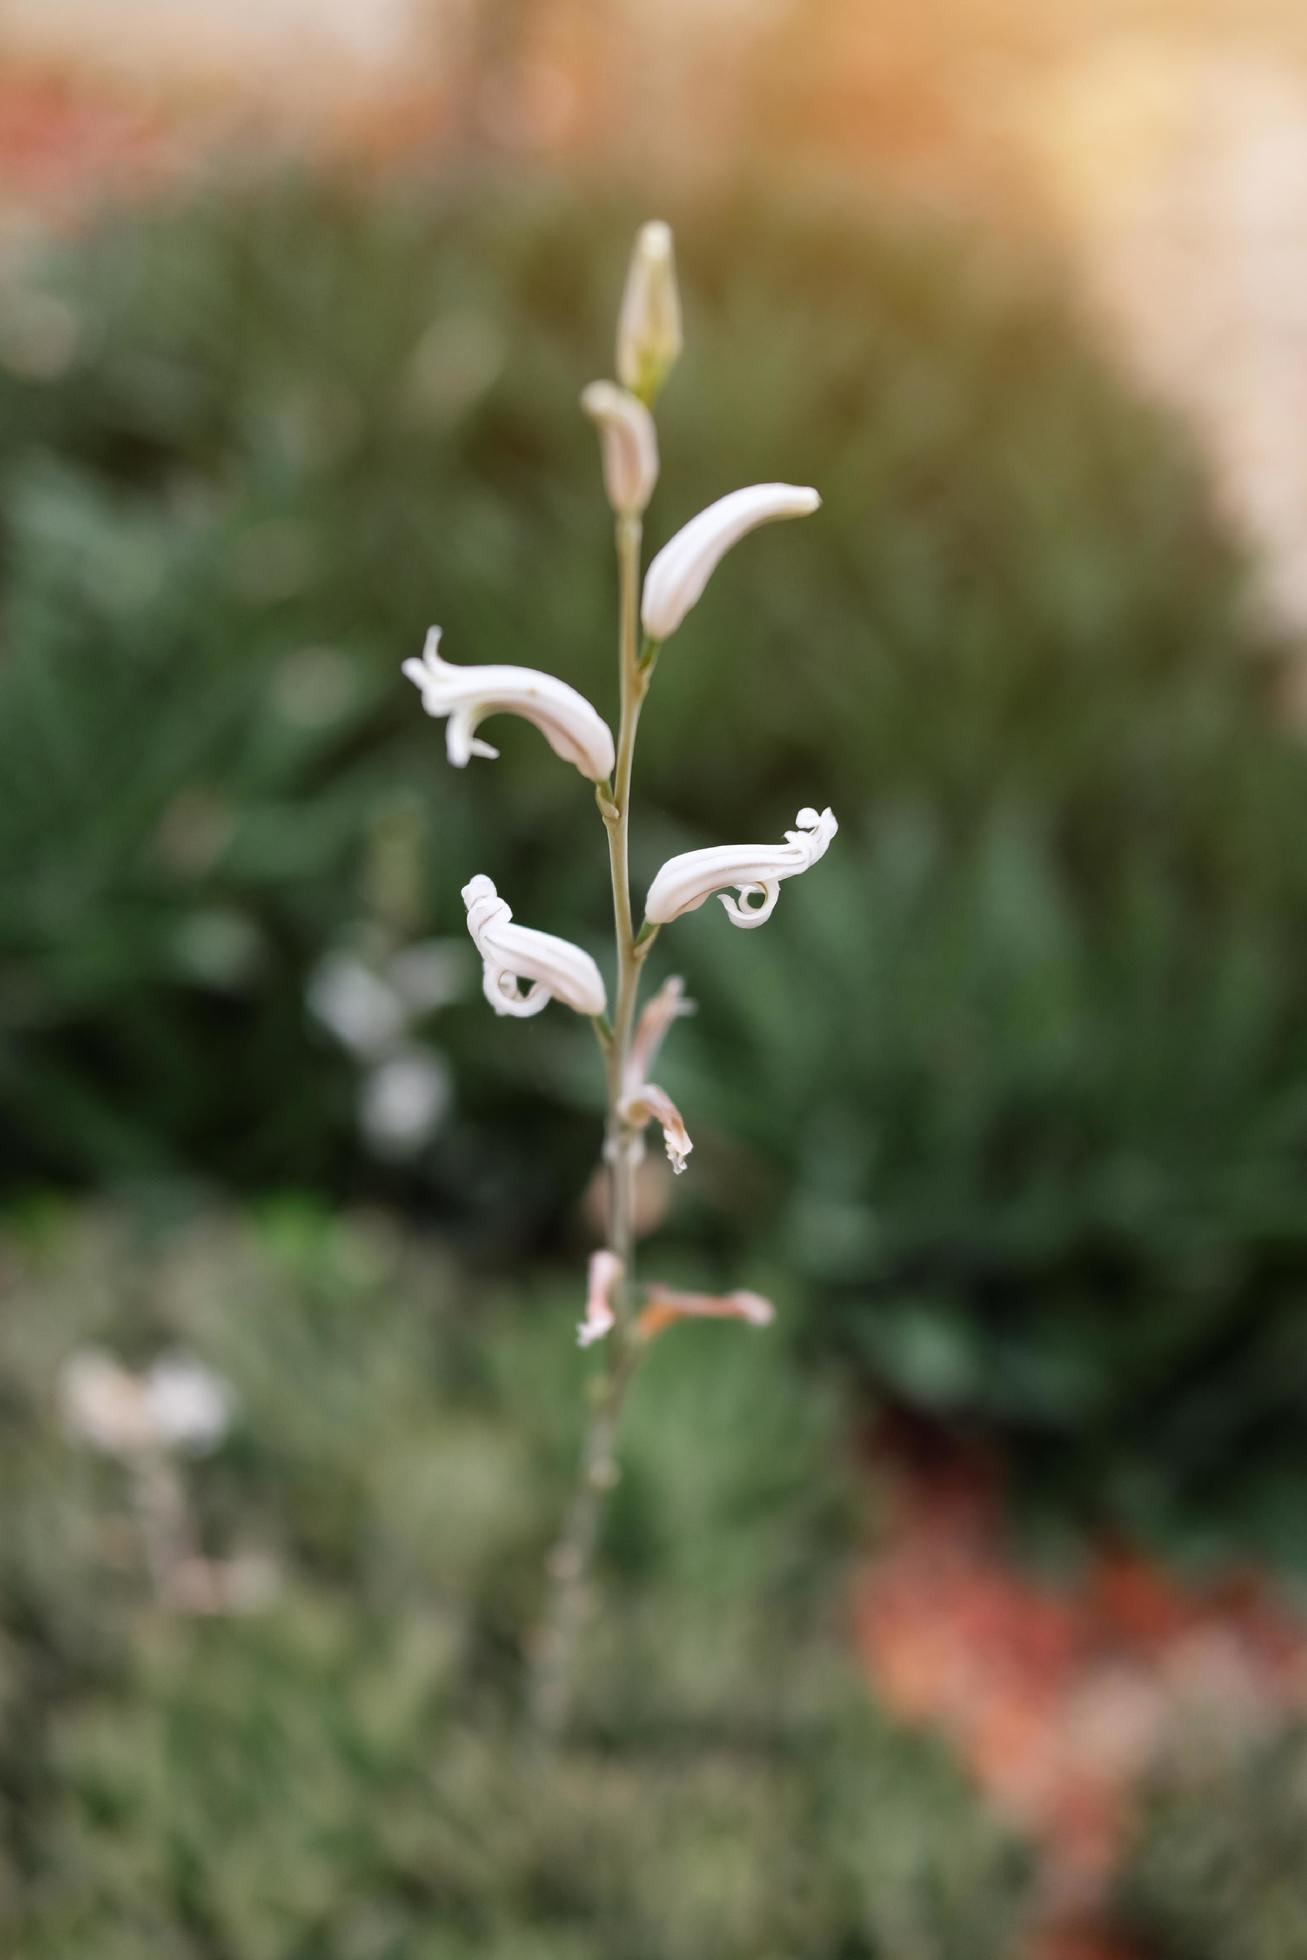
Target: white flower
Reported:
[(676, 578), (402, 1102), (665, 1304), (628, 444), (468, 694), (178, 1404), (753, 869), (649, 324), (551, 968), (605, 1273), (355, 1004), (104, 1404), (190, 1406)]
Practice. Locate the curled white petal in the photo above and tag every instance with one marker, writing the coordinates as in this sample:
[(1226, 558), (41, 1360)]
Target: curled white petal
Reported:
[(604, 1274), (665, 1304), (628, 445), (516, 956), (467, 695), (649, 323), (754, 870), (650, 1104), (676, 578)]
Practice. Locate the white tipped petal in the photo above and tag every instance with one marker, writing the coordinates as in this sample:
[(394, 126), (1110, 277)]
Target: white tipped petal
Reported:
[(467, 695), (516, 957), (676, 578), (665, 1304), (605, 1273), (628, 445), (650, 1104), (754, 871)]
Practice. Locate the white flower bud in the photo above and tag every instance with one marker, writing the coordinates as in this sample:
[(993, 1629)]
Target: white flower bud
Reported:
[(628, 445), (649, 325), (754, 870), (676, 578), (467, 695), (551, 968)]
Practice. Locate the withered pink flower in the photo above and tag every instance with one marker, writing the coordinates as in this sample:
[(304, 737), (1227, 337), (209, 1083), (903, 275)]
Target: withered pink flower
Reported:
[(665, 1304), (605, 1273)]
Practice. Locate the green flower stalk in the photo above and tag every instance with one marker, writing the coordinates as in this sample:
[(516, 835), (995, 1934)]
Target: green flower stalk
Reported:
[(525, 969)]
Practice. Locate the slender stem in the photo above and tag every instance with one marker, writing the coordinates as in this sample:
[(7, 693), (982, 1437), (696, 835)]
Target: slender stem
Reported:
[(571, 1561)]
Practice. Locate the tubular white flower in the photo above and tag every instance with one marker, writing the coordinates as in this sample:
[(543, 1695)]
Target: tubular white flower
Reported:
[(665, 1304), (604, 1274), (650, 1104), (467, 695), (550, 968), (754, 870), (676, 578), (649, 324), (628, 445)]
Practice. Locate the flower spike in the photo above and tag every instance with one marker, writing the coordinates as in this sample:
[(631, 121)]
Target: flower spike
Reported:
[(754, 870), (676, 578), (628, 442), (467, 695), (605, 1273), (550, 968)]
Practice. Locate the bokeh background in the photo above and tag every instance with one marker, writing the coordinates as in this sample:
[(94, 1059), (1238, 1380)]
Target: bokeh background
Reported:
[(965, 1612)]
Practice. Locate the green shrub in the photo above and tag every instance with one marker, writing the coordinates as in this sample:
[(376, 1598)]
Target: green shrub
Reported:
[(1216, 1872), (338, 1773), (1018, 1090)]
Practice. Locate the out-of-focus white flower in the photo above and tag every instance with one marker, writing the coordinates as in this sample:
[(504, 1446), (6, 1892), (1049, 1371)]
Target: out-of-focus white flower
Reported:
[(605, 1273), (551, 968), (649, 323), (177, 1404), (628, 445), (650, 1104), (190, 1406), (665, 1304), (467, 695), (675, 580), (103, 1404), (753, 869), (402, 1101), (363, 1012), (429, 974)]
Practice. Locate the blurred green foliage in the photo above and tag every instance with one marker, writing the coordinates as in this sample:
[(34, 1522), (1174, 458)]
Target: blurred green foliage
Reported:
[(337, 1771), (1216, 1871), (1015, 1085)]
